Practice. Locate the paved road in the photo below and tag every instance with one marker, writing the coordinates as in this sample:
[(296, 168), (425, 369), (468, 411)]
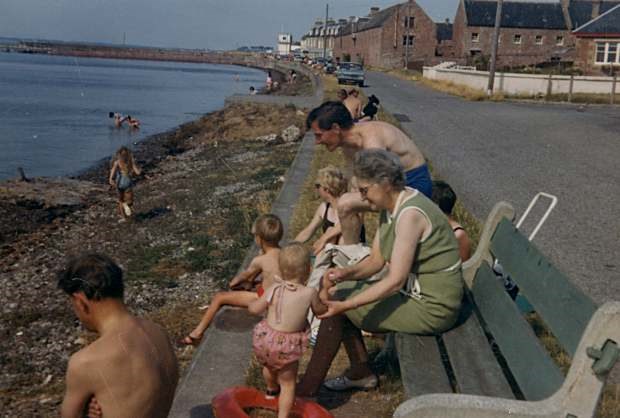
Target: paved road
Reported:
[(511, 151)]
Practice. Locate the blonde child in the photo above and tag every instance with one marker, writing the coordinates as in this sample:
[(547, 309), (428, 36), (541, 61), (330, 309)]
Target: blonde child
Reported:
[(123, 167), (330, 185), (267, 231), (279, 339)]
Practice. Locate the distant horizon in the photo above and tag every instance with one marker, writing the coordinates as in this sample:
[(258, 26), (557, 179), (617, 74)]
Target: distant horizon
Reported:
[(184, 24)]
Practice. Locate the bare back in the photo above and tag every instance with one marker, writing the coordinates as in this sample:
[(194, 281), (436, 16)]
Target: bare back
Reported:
[(132, 370), (268, 265), (295, 306), (354, 105), (382, 135)]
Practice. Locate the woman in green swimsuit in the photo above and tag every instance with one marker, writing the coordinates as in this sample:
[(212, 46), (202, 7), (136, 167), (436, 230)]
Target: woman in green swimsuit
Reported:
[(420, 293)]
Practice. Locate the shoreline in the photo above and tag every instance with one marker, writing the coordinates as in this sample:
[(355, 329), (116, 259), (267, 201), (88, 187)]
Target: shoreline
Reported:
[(193, 213)]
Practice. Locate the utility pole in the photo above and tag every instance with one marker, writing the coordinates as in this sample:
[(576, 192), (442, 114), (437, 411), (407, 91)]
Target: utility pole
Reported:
[(407, 34), (493, 63), (325, 32)]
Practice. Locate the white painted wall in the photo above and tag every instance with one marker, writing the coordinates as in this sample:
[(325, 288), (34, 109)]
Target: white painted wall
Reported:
[(512, 83)]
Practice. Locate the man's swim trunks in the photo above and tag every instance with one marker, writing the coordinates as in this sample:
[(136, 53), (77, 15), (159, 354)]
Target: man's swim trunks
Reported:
[(420, 178)]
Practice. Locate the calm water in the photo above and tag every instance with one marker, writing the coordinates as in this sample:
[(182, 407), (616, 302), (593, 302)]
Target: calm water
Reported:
[(54, 110)]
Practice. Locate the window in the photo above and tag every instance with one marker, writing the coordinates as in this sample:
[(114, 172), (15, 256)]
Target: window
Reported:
[(409, 20), (516, 39), (407, 40), (475, 37), (559, 40), (608, 52), (539, 40)]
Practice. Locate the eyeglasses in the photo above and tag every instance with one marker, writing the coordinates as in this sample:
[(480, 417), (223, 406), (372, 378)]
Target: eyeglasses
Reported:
[(364, 190)]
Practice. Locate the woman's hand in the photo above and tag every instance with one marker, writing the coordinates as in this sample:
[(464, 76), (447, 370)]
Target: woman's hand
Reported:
[(94, 409), (332, 276), (335, 307)]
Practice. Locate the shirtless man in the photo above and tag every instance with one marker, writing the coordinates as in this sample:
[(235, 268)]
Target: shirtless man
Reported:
[(333, 127), (131, 369), (354, 104)]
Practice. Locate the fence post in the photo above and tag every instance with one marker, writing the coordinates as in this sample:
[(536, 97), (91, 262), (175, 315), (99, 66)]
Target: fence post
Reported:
[(613, 91), (549, 87), (570, 88)]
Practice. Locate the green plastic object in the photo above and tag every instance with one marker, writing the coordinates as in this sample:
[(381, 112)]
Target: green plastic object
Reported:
[(605, 358)]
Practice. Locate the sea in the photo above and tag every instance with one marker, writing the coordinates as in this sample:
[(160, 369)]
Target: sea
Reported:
[(54, 109)]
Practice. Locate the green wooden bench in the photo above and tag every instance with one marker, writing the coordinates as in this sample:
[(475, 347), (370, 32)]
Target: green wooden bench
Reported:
[(492, 364)]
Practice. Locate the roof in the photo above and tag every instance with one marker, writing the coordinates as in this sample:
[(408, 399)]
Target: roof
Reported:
[(444, 32), (526, 15), (581, 11), (607, 23), (374, 21)]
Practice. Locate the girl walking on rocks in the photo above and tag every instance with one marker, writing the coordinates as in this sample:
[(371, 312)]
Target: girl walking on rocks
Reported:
[(123, 167)]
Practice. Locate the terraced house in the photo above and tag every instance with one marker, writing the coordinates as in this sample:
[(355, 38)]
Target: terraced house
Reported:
[(598, 43), (399, 35), (531, 32)]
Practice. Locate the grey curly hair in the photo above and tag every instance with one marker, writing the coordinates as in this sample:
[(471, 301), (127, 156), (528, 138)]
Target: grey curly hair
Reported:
[(377, 166)]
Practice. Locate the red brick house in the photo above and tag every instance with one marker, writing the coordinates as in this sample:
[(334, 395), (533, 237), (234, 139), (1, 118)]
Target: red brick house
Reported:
[(598, 43), (389, 38), (531, 32)]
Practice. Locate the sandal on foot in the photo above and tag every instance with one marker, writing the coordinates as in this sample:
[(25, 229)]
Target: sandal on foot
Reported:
[(272, 393), (189, 340)]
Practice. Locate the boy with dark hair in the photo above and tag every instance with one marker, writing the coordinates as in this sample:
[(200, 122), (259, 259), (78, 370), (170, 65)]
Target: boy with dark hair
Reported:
[(133, 353), (267, 231), (445, 198)]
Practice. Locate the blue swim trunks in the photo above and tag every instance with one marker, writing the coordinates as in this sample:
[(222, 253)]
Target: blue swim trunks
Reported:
[(420, 178)]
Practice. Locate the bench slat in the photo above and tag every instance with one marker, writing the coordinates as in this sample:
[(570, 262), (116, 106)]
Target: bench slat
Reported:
[(563, 307), (475, 367), (420, 365), (536, 374)]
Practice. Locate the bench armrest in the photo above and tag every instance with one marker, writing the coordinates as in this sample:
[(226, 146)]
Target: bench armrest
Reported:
[(578, 395)]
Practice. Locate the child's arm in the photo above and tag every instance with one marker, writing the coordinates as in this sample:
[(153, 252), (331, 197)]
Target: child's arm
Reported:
[(136, 169), (318, 307), (332, 233), (259, 306), (113, 172), (306, 233), (247, 275)]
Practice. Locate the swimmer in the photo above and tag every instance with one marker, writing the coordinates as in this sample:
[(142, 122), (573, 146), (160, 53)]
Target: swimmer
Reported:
[(118, 118)]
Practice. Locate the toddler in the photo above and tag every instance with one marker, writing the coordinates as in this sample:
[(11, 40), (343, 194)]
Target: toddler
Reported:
[(280, 338)]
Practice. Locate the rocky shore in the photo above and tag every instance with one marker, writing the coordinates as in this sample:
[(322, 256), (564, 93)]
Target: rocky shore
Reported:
[(202, 186)]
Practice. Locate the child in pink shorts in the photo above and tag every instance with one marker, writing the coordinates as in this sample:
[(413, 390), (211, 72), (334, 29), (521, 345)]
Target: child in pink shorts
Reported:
[(280, 338)]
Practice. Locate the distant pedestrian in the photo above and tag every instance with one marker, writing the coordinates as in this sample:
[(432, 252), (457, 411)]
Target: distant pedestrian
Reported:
[(252, 91), (445, 198), (123, 167)]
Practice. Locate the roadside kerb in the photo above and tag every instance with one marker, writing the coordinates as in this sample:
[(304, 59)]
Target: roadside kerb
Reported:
[(224, 354)]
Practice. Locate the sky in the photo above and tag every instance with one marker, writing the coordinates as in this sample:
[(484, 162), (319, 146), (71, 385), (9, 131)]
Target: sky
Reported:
[(208, 24)]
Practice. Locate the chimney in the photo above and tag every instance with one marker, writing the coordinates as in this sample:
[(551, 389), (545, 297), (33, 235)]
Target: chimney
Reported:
[(596, 8), (373, 11)]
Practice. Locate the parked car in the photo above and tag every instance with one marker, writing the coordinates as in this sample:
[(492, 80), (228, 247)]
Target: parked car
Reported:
[(350, 72)]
